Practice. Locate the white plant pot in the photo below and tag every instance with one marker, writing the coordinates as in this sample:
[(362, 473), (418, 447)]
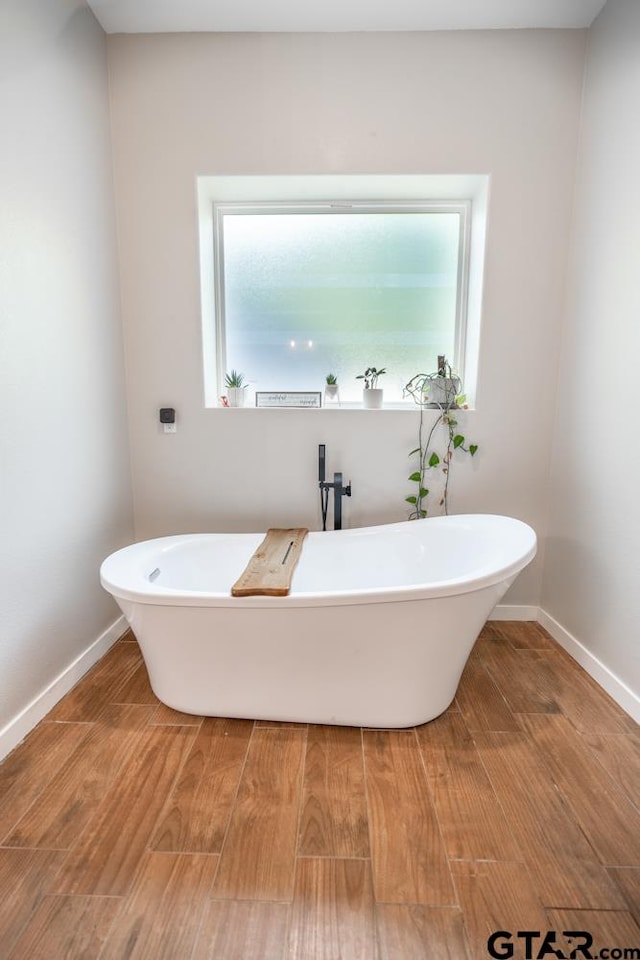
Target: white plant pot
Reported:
[(442, 391), (235, 396), (372, 399), (331, 391)]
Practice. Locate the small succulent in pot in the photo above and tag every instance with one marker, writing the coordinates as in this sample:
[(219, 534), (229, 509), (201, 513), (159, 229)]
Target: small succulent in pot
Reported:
[(236, 386), (235, 380), (331, 391), (372, 393)]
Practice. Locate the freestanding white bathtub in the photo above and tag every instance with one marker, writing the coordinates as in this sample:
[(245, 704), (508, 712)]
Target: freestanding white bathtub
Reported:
[(375, 631)]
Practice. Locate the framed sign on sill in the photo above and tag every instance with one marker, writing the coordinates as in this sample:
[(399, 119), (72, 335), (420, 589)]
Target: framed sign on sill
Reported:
[(288, 398)]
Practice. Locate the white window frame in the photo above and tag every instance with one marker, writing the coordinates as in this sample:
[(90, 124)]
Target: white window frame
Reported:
[(219, 194)]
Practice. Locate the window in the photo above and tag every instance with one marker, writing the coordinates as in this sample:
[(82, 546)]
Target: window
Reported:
[(304, 287)]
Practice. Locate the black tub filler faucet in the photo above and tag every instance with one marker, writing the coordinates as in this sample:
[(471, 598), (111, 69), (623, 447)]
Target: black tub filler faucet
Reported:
[(339, 491)]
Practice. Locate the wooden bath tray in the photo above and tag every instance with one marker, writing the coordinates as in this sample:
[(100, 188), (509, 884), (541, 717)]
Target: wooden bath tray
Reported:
[(270, 569)]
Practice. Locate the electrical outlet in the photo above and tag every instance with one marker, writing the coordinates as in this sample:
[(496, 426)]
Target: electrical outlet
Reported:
[(169, 427)]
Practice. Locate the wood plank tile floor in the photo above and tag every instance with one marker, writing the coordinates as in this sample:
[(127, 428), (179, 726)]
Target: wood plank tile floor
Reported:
[(128, 830)]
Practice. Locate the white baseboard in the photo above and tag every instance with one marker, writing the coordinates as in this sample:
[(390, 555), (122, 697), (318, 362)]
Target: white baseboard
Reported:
[(604, 677), (16, 730), (616, 688), (506, 611)]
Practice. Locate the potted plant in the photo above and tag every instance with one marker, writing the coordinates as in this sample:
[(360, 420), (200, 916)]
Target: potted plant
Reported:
[(436, 390), (331, 387), (372, 394), (441, 389), (234, 382)]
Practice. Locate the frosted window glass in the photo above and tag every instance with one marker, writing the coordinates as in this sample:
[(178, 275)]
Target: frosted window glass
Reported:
[(306, 294)]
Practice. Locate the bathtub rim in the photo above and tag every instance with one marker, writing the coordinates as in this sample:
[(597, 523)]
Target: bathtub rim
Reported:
[(129, 559)]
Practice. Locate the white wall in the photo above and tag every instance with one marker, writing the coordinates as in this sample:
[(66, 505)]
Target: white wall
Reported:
[(502, 103), (65, 494), (592, 571)]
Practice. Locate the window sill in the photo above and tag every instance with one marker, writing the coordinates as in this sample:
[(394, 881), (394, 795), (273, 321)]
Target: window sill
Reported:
[(345, 407)]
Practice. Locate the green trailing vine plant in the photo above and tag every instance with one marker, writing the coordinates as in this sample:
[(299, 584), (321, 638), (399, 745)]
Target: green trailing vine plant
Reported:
[(440, 391)]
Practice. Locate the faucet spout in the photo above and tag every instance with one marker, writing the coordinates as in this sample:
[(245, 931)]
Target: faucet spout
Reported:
[(339, 491)]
